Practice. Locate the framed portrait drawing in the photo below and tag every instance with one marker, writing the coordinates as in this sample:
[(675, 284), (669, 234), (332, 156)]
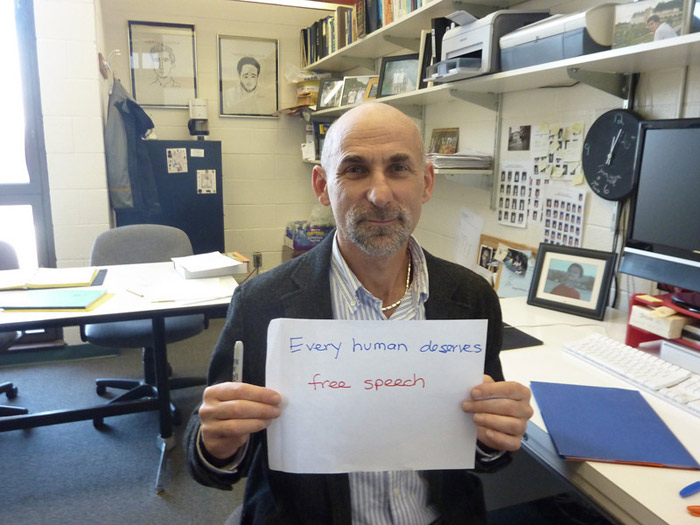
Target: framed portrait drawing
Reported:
[(248, 76), (354, 89), (572, 280), (163, 64), (398, 74), (330, 91)]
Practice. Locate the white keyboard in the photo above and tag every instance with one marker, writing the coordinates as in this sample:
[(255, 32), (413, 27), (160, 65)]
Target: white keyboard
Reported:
[(670, 382)]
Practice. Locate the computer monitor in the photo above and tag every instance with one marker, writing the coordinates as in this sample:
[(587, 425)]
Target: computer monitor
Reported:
[(663, 240)]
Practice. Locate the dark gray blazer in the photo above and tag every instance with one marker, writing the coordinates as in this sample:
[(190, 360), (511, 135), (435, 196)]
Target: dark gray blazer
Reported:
[(300, 289)]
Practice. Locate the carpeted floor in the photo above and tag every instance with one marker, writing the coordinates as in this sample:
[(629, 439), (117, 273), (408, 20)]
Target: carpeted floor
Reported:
[(75, 474)]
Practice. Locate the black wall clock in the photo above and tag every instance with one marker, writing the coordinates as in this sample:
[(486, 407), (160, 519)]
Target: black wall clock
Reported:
[(608, 153)]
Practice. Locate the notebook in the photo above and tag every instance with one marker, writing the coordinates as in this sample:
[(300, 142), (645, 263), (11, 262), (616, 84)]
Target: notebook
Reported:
[(588, 423)]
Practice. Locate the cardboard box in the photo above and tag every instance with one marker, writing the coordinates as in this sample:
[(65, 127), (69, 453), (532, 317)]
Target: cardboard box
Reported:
[(668, 327)]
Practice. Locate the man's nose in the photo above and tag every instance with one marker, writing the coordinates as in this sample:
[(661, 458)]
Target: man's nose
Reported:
[(379, 193)]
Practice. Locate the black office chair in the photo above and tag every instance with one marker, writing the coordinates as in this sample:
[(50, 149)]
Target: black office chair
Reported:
[(142, 243), (8, 261)]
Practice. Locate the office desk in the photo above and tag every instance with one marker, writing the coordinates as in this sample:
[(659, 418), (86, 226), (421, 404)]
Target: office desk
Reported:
[(156, 280), (629, 493)]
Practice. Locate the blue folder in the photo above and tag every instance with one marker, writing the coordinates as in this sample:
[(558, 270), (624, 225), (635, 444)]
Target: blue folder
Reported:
[(590, 423)]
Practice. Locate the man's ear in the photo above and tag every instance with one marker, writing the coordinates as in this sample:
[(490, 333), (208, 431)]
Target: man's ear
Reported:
[(429, 181), (320, 185)]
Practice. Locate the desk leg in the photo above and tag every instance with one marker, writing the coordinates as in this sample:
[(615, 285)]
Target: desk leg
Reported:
[(166, 422)]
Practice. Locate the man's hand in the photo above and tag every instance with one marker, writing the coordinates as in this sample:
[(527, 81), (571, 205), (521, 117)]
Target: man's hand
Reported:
[(501, 411), (230, 412)]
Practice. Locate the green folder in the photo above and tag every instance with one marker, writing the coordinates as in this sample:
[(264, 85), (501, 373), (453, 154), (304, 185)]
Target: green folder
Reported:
[(56, 299)]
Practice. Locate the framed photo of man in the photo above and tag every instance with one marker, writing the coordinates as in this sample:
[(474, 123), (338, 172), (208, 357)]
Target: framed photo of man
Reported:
[(248, 76), (163, 64)]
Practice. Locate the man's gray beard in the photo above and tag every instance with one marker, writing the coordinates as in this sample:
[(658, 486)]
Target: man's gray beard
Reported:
[(379, 240)]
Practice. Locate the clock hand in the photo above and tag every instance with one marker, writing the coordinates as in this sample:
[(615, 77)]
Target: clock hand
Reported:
[(608, 159)]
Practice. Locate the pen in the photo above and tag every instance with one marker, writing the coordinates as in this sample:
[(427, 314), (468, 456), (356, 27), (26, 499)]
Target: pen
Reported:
[(691, 489), (237, 375)]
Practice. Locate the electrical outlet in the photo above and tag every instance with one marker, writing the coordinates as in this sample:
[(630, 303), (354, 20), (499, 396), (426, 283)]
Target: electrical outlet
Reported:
[(257, 260)]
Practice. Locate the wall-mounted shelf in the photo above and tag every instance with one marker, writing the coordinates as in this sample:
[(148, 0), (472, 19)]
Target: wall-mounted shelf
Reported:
[(482, 178), (653, 56)]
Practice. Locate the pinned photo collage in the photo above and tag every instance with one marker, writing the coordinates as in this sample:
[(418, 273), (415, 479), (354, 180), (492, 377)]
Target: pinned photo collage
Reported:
[(563, 217), (513, 201)]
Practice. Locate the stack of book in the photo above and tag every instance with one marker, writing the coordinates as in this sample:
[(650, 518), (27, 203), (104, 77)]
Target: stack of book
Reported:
[(462, 161), (328, 35)]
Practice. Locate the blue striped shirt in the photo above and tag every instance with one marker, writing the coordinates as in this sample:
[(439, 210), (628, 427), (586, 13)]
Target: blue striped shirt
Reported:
[(397, 496)]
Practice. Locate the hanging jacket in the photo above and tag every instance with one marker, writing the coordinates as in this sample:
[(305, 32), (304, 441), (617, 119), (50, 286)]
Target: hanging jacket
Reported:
[(130, 175)]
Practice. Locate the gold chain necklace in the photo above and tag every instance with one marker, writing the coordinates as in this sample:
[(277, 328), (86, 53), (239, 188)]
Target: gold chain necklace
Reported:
[(408, 283)]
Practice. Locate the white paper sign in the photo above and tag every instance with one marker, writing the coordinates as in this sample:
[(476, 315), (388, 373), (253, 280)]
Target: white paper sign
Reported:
[(373, 395)]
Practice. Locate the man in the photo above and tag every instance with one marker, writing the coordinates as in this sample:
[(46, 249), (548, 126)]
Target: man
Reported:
[(375, 179), (244, 97), (163, 60), (660, 29)]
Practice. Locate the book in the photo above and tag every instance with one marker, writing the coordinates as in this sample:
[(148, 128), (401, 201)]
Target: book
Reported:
[(360, 18), (55, 299), (614, 425), (372, 17), (212, 264), (47, 278)]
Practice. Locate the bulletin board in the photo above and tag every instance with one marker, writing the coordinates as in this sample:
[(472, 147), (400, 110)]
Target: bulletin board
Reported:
[(512, 263)]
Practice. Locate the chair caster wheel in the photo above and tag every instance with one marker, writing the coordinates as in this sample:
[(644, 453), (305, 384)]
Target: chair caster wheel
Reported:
[(177, 417), (101, 390), (99, 423), (12, 392)]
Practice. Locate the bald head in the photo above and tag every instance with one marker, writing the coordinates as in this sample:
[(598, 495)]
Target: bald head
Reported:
[(368, 116)]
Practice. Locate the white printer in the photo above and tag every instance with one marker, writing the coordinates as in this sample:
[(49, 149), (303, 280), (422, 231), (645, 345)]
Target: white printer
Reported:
[(559, 37), (470, 47)]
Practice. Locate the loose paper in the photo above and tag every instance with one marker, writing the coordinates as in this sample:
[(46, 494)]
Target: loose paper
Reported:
[(373, 395)]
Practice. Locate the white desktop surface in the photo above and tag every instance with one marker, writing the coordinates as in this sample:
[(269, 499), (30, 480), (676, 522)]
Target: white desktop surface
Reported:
[(158, 281), (631, 493)]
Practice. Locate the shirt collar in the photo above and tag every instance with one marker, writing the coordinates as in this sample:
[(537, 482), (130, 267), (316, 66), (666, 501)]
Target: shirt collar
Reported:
[(351, 289)]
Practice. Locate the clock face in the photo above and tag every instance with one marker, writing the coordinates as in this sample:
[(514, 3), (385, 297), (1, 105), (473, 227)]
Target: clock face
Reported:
[(609, 152)]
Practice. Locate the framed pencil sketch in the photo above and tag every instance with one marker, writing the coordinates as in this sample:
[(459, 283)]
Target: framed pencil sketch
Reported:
[(572, 280), (248, 76), (354, 89), (398, 74), (163, 64), (330, 91)]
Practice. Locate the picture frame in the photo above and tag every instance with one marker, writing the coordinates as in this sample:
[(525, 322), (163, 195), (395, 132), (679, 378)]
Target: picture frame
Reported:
[(354, 89), (398, 74), (163, 63), (647, 21), (248, 76), (372, 86), (425, 56), (572, 280), (444, 141), (329, 93)]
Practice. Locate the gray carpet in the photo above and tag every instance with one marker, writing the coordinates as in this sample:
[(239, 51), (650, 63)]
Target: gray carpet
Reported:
[(73, 473)]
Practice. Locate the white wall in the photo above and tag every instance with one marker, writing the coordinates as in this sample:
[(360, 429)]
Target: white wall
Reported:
[(265, 184), (658, 96), (70, 99)]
